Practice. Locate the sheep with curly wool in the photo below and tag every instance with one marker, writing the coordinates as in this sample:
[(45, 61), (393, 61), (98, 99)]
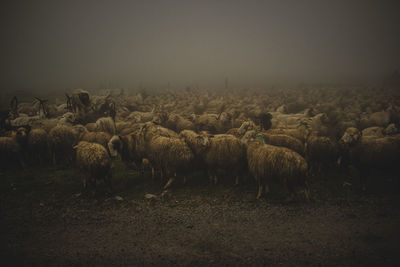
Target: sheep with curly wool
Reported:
[(268, 163), (94, 162), (38, 145), (13, 147), (218, 152), (367, 153), (162, 147), (171, 155), (62, 138), (106, 124), (101, 138), (321, 153)]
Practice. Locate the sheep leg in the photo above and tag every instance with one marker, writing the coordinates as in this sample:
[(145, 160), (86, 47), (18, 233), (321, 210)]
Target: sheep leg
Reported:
[(237, 180), (290, 190), (260, 189), (93, 185), (307, 194), (108, 180), (152, 173), (363, 179), (54, 158), (215, 179), (210, 177), (21, 162), (84, 182), (266, 189), (184, 180), (168, 184)]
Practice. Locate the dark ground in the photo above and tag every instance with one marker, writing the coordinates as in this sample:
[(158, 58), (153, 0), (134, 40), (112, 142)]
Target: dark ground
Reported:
[(45, 221)]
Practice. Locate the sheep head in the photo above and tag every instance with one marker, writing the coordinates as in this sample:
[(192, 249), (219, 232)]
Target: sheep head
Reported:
[(115, 145), (350, 136), (246, 126), (197, 142), (69, 117), (252, 137)]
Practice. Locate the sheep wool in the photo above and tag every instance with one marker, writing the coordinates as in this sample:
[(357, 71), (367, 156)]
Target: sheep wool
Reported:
[(93, 160)]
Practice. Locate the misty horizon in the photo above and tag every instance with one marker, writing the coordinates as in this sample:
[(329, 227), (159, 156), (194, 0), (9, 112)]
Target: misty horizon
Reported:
[(100, 44)]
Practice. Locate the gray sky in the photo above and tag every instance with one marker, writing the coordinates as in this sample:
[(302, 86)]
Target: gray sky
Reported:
[(66, 44)]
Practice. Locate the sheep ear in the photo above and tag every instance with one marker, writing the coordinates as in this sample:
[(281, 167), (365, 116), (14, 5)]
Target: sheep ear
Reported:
[(75, 147)]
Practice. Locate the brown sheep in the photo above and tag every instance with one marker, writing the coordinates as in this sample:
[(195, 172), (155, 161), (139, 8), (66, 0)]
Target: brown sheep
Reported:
[(368, 153), (171, 155), (268, 163), (321, 152), (38, 146), (12, 148), (300, 133), (161, 146), (101, 138), (284, 141), (214, 123), (106, 124), (61, 140), (218, 152), (94, 162)]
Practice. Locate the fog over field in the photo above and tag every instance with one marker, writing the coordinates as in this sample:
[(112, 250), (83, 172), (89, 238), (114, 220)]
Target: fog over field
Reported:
[(200, 133), (58, 45)]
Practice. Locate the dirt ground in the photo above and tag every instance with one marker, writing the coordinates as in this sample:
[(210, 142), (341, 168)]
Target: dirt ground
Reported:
[(46, 221)]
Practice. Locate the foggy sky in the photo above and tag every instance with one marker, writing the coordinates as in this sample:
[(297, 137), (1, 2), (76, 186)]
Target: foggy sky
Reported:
[(69, 44)]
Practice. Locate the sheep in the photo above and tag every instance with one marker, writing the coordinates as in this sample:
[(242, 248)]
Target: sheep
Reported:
[(213, 123), (367, 153), (375, 131), (28, 108), (101, 138), (299, 133), (284, 141), (381, 119), (177, 123), (62, 138), (138, 116), (91, 126), (94, 162), (391, 129), (218, 152), (321, 152), (244, 127), (125, 147), (247, 126), (68, 118), (4, 119), (12, 148), (318, 123), (38, 147), (171, 155), (134, 146), (120, 126), (45, 124), (106, 124), (25, 120), (163, 148), (80, 100), (268, 163), (265, 121)]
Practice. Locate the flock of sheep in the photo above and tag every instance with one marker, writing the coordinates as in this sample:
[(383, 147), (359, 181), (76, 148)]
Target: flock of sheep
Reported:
[(278, 136)]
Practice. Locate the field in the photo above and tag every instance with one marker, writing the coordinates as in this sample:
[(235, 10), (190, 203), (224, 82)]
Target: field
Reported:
[(47, 221)]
